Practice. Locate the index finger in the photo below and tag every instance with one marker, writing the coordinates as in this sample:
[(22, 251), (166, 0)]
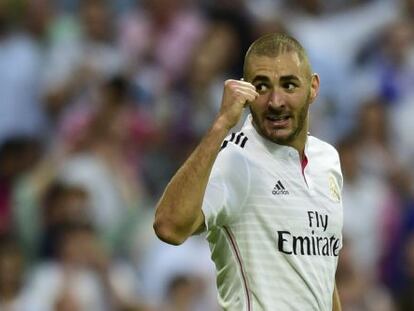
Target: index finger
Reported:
[(247, 83)]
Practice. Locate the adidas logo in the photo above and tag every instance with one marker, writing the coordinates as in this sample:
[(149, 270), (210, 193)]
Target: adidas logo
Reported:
[(279, 189), (238, 139)]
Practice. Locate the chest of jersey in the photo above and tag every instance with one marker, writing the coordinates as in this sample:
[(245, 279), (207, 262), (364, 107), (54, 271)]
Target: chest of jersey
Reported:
[(299, 210)]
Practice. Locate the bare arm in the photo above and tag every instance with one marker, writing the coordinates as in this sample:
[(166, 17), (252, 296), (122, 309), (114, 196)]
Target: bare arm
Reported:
[(179, 213), (336, 302)]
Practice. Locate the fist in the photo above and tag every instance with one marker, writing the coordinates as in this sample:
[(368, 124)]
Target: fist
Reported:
[(237, 94)]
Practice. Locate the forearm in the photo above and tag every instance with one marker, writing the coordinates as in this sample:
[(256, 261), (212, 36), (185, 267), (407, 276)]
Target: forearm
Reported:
[(336, 302), (178, 213)]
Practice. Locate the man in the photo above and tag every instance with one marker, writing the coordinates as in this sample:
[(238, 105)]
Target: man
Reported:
[(269, 196)]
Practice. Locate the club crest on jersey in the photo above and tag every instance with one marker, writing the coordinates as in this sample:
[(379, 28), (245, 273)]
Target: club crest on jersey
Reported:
[(279, 189), (335, 193)]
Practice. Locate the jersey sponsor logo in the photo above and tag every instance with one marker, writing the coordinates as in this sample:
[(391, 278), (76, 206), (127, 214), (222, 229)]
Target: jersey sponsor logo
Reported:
[(310, 245), (279, 189), (316, 243), (238, 139)]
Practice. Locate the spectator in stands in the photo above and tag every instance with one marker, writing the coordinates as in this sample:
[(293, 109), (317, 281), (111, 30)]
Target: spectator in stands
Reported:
[(14, 295), (375, 150), (21, 60), (108, 145), (365, 197), (84, 275), (182, 294), (77, 63), (63, 205), (157, 37), (357, 292), (17, 156)]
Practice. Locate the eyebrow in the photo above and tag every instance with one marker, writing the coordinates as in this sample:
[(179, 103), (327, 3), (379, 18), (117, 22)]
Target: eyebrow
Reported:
[(282, 78), (260, 78), (289, 77)]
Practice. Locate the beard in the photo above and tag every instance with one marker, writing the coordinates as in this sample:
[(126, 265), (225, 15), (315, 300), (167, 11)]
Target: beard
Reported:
[(299, 122)]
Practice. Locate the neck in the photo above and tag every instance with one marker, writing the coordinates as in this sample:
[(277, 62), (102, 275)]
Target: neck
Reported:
[(300, 142), (297, 143)]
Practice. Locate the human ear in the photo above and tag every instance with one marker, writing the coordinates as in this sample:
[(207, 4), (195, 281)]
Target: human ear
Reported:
[(314, 87)]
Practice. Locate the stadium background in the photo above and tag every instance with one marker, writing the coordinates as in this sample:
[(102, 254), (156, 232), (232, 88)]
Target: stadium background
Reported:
[(101, 102)]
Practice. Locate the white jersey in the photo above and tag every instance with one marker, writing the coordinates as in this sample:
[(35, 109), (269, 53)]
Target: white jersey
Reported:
[(274, 229)]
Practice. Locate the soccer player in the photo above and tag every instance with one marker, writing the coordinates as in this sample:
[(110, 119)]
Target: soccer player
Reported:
[(268, 196)]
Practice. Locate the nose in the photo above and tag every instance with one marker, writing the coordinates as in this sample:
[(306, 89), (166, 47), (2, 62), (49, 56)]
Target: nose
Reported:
[(276, 99)]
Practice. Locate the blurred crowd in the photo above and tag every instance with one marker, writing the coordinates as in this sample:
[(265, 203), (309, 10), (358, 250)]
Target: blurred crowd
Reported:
[(101, 101)]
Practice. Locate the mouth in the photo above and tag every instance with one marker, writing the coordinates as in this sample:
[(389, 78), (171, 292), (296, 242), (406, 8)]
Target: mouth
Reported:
[(278, 121)]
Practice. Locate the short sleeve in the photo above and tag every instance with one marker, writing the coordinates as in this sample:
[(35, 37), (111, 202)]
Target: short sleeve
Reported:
[(226, 190), (338, 170)]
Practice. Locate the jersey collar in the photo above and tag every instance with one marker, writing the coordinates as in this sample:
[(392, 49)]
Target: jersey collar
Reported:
[(273, 148)]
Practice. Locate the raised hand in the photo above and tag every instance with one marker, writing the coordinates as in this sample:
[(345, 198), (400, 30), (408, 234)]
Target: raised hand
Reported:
[(237, 94)]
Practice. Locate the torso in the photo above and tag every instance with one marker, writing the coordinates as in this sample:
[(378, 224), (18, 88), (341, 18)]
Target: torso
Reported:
[(281, 251)]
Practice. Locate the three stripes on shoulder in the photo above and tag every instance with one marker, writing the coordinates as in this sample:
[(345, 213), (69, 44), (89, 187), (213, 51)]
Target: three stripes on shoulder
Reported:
[(238, 139)]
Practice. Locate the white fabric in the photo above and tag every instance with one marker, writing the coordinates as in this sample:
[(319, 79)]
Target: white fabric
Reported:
[(252, 221), (69, 56), (50, 281), (22, 302), (164, 262), (91, 172)]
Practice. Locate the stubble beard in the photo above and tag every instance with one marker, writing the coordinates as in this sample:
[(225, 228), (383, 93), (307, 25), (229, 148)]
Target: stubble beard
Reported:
[(297, 128)]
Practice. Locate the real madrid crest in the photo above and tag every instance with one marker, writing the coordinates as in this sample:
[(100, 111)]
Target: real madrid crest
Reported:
[(334, 191)]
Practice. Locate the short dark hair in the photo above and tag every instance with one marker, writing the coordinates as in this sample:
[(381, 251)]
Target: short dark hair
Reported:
[(275, 44)]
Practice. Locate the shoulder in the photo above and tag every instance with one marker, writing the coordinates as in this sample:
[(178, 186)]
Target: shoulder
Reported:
[(235, 145), (326, 158), (232, 158), (324, 155), (322, 149), (238, 139)]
